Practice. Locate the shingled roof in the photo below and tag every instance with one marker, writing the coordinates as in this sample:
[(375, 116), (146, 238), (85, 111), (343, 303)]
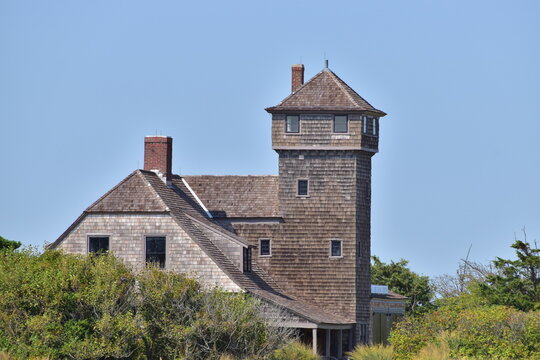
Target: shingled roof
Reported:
[(325, 92), (143, 191), (236, 196)]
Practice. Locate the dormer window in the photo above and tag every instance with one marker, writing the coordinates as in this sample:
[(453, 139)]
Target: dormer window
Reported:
[(341, 124), (292, 124), (247, 259)]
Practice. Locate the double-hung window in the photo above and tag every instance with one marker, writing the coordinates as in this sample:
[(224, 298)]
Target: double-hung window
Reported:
[(302, 188), (292, 124), (265, 248), (155, 250), (335, 248), (341, 124)]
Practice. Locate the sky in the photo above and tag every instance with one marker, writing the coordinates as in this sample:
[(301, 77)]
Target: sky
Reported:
[(82, 83)]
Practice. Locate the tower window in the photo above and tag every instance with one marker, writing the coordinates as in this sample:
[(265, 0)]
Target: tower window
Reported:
[(265, 247), (98, 244), (292, 124), (341, 124), (335, 248), (303, 188), (374, 130), (155, 250)]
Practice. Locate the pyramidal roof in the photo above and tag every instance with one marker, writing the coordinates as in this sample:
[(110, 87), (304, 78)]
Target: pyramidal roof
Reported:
[(325, 92)]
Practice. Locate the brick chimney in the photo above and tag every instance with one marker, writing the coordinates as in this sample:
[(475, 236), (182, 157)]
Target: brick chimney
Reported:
[(158, 154), (297, 76)]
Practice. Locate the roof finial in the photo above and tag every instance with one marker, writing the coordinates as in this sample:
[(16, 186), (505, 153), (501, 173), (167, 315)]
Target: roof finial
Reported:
[(326, 64)]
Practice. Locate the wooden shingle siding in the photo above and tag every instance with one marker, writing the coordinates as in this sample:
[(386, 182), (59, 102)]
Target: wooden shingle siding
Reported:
[(126, 241)]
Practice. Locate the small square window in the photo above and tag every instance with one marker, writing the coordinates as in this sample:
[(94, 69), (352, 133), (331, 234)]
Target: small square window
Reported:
[(341, 124), (98, 244), (335, 248), (264, 247), (293, 124), (155, 250), (303, 188)]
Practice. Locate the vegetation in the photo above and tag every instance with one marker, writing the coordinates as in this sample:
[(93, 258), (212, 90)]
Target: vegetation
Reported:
[(376, 352), (403, 281), (294, 351), (8, 244), (64, 306)]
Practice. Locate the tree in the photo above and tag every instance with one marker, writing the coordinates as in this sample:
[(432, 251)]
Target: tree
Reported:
[(403, 281), (515, 283), (8, 244)]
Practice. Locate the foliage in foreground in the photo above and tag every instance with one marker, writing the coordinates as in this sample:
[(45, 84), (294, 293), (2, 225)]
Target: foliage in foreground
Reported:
[(64, 306), (8, 244), (480, 332), (294, 351), (375, 352)]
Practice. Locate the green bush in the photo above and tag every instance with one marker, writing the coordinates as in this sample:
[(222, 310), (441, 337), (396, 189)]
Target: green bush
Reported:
[(94, 307), (294, 351), (376, 352), (485, 332)]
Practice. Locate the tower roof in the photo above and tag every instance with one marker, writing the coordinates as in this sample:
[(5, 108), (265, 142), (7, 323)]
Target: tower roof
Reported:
[(325, 92)]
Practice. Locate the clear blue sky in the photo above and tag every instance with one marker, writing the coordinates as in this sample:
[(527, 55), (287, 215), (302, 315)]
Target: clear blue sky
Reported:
[(82, 82)]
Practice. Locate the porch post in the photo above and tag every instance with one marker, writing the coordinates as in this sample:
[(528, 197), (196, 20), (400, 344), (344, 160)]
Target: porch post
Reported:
[(314, 342), (327, 352), (340, 344)]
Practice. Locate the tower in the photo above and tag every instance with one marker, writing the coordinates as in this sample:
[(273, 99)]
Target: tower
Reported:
[(325, 135)]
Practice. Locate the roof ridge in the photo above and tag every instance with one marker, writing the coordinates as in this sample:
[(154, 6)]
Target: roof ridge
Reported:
[(351, 89), (110, 191), (341, 84), (297, 90), (152, 188)]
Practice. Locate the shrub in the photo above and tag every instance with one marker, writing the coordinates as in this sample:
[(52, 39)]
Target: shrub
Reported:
[(492, 332), (376, 352), (94, 307), (294, 351)]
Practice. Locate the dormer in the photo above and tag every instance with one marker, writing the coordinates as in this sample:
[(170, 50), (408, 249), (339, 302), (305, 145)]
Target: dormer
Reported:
[(324, 114)]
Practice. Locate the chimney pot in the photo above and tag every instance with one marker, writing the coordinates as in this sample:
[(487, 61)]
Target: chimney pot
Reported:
[(158, 154), (297, 76)]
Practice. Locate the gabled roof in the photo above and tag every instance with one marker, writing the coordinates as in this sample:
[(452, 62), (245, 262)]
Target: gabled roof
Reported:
[(325, 92), (252, 196), (143, 191)]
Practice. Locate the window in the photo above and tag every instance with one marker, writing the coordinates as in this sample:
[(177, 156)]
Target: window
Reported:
[(98, 244), (335, 248), (374, 130), (364, 124), (341, 124), (303, 188), (293, 124), (247, 259), (265, 247), (155, 250)]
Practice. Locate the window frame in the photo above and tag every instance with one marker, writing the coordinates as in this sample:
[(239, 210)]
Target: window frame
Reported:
[(298, 187), (364, 124), (346, 124), (286, 123), (145, 254), (247, 259), (269, 247), (97, 236), (374, 125), (331, 255)]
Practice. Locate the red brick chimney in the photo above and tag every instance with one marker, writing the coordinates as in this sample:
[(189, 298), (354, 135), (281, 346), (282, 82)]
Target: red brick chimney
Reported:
[(158, 154), (297, 76)]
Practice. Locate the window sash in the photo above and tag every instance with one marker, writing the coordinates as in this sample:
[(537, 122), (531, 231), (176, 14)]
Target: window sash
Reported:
[(98, 244), (341, 124), (156, 250), (292, 124), (264, 247), (247, 259), (303, 188), (335, 248)]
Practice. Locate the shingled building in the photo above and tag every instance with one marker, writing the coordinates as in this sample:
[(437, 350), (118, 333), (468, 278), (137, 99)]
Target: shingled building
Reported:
[(299, 241)]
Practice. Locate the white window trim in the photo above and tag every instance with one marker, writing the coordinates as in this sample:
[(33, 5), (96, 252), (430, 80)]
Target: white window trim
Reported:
[(374, 124), (340, 249), (299, 126), (269, 247), (298, 188), (334, 124)]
